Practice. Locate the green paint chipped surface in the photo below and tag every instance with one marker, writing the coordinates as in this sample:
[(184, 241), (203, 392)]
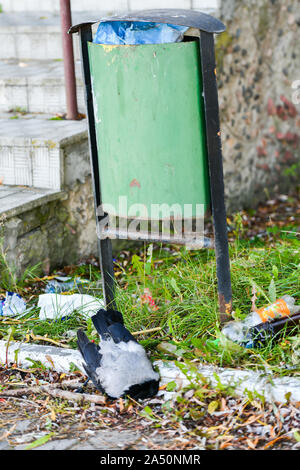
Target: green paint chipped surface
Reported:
[(149, 124)]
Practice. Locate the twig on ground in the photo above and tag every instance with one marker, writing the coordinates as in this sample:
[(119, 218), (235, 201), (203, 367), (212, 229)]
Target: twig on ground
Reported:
[(72, 396), (151, 330), (55, 391), (49, 340), (7, 433), (21, 391)]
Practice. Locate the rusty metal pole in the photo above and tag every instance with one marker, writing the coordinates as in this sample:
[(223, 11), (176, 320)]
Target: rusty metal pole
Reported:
[(69, 65)]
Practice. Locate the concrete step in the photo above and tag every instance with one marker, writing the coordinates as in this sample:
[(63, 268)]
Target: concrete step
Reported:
[(33, 150), (15, 200), (35, 35), (40, 229), (36, 86)]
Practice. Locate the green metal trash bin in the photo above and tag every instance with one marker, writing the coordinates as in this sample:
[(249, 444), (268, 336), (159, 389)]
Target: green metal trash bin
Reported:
[(154, 133), (150, 126)]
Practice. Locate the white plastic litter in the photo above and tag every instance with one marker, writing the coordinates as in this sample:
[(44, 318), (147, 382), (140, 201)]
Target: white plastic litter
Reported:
[(13, 304), (54, 306)]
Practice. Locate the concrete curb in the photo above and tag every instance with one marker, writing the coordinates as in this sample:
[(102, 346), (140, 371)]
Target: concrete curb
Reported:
[(244, 382), (278, 389), (52, 357)]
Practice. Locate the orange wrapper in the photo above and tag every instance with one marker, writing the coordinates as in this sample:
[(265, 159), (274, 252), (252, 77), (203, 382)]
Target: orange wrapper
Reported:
[(278, 309)]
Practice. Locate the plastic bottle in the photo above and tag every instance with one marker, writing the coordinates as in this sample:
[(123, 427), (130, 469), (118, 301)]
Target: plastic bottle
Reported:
[(263, 332), (283, 307), (240, 331)]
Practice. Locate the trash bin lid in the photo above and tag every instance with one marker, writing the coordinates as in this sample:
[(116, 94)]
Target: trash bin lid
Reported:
[(180, 17)]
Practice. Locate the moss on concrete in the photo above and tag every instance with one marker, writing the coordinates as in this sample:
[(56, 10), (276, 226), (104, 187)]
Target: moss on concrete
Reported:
[(222, 43)]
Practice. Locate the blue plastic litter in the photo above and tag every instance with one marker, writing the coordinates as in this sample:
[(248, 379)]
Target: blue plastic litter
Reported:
[(64, 284), (13, 304), (136, 32)]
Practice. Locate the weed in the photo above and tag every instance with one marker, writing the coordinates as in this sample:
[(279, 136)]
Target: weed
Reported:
[(19, 110)]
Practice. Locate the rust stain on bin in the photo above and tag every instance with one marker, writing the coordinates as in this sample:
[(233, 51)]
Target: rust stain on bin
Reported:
[(135, 184), (225, 309)]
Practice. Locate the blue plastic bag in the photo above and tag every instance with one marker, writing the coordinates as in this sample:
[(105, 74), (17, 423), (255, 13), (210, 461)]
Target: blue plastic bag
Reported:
[(13, 304), (136, 32), (64, 284)]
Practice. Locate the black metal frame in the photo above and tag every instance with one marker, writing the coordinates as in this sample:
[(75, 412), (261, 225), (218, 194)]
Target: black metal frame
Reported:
[(104, 246), (215, 164), (180, 17), (207, 26)]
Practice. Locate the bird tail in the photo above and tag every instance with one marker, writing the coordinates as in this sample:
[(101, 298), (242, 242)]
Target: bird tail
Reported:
[(88, 350), (101, 324), (82, 341), (113, 316), (105, 318), (110, 324), (92, 357)]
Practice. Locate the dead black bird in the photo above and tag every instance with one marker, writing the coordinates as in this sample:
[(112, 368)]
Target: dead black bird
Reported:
[(119, 366)]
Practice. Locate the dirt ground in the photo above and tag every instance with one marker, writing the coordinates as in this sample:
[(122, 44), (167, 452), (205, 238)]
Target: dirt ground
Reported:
[(33, 418)]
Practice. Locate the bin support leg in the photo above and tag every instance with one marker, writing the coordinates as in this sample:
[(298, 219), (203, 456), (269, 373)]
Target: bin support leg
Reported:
[(214, 151), (104, 246), (69, 66)]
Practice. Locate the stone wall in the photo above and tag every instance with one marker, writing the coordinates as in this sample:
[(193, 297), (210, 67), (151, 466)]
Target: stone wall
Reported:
[(258, 59)]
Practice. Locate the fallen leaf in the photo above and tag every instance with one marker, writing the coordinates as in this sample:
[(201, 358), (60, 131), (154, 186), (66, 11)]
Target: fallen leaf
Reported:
[(223, 404), (213, 406), (49, 358), (39, 442), (252, 444), (121, 405), (297, 436), (250, 420), (226, 443), (271, 443)]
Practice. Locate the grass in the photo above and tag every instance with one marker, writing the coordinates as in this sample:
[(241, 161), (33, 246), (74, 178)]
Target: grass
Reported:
[(19, 110), (176, 289), (9, 278), (185, 291)]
